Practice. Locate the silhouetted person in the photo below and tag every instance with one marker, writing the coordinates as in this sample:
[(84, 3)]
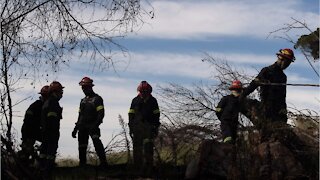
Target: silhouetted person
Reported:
[(91, 114), (227, 112), (50, 126), (272, 82), (31, 127), (144, 122)]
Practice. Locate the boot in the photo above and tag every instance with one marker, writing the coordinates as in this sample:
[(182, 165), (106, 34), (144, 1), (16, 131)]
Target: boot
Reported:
[(103, 160), (100, 152), (82, 157)]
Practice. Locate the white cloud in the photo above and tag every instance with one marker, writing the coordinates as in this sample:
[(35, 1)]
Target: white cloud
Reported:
[(304, 98), (251, 59), (168, 64), (296, 78), (198, 19)]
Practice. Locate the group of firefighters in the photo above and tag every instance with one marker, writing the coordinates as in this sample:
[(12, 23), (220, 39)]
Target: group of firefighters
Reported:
[(271, 108), (42, 118), (42, 123)]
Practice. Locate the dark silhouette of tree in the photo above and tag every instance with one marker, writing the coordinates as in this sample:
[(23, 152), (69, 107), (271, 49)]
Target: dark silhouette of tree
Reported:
[(196, 105), (188, 113), (39, 36), (310, 44)]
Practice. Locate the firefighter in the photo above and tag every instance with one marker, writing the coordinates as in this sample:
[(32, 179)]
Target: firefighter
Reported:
[(271, 111), (227, 112), (50, 125), (273, 97), (31, 127), (91, 113), (144, 123)]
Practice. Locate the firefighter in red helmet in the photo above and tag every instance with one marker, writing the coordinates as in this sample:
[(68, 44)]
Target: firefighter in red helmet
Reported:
[(50, 125), (91, 114), (144, 122), (273, 107), (227, 112), (31, 127)]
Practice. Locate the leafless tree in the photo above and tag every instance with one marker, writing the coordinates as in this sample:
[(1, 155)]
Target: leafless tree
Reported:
[(39, 36), (188, 114), (183, 106)]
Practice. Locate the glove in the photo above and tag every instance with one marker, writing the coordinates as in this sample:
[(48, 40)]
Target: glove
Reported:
[(74, 133)]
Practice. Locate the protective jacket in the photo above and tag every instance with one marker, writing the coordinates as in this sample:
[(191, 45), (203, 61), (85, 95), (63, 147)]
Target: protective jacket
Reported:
[(227, 112), (144, 122), (144, 111), (228, 109), (51, 115), (50, 120), (91, 111), (31, 123), (273, 97)]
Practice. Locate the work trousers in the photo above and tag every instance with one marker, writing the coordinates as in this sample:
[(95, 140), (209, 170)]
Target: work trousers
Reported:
[(27, 153), (229, 130), (83, 138), (49, 146), (143, 137)]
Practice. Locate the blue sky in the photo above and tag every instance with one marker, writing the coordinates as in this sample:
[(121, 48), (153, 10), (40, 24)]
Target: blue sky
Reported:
[(169, 48)]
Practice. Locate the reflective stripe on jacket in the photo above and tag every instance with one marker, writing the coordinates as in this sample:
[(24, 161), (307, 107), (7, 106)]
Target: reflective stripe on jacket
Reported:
[(228, 108), (91, 111), (144, 111)]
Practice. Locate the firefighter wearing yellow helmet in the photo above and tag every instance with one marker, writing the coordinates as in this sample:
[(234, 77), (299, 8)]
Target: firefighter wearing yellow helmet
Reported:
[(273, 107)]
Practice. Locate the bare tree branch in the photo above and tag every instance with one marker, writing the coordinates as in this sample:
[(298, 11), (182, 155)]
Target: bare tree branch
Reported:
[(299, 25), (39, 37)]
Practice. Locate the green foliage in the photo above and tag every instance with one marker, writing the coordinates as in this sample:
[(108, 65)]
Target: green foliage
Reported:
[(118, 158), (309, 44), (181, 155), (67, 162)]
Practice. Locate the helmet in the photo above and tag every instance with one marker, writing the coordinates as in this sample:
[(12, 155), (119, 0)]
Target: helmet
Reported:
[(236, 84), (86, 81), (44, 90), (144, 86), (286, 54), (55, 86)]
